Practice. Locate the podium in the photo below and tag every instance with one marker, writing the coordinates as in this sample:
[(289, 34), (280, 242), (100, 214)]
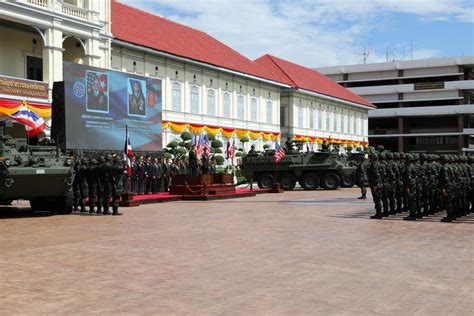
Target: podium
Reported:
[(202, 185)]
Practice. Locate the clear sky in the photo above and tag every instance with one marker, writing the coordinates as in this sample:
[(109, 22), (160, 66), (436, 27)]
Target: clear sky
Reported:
[(329, 32)]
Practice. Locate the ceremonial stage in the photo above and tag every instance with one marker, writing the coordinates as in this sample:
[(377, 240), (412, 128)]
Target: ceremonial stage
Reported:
[(195, 188)]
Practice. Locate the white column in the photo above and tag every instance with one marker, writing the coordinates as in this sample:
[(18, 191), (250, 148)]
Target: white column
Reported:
[(53, 56), (93, 54)]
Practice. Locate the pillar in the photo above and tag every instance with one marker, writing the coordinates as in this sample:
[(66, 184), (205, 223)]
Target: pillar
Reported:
[(53, 55), (461, 136), (401, 129), (93, 53)]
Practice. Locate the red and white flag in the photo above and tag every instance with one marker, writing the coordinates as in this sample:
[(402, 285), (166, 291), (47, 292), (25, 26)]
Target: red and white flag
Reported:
[(34, 124), (127, 152)]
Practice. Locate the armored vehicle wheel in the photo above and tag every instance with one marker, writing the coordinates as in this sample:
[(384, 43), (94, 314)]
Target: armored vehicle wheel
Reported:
[(310, 181), (348, 181), (64, 203), (265, 181), (331, 181), (287, 181)]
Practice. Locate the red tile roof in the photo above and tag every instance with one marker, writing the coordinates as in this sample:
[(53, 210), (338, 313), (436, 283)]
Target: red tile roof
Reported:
[(145, 29), (304, 78)]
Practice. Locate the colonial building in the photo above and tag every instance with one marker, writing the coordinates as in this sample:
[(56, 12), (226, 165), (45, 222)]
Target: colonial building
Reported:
[(207, 86), (315, 108), (36, 36)]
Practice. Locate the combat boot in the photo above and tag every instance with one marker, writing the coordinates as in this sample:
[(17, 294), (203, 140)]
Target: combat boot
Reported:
[(362, 197)]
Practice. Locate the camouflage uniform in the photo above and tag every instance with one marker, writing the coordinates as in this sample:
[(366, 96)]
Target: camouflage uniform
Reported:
[(375, 183), (92, 183), (116, 173), (83, 170), (411, 185)]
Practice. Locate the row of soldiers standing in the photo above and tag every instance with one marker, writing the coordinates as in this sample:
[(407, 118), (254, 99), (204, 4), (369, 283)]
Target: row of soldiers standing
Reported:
[(98, 184), (422, 184), (151, 175)]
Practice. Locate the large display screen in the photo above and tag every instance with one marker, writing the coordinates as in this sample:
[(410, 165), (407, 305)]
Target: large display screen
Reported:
[(100, 103)]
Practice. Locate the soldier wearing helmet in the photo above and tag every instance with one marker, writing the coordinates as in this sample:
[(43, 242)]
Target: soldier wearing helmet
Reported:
[(375, 183)]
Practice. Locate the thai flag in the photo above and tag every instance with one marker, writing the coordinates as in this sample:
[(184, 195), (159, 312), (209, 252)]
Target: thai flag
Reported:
[(279, 152), (34, 124), (127, 152)]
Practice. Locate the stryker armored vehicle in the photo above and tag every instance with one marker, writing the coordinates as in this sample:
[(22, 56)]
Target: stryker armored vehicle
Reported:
[(311, 170), (37, 173)]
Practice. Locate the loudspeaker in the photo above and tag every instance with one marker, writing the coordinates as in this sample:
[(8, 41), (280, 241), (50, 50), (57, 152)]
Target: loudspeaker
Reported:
[(58, 116)]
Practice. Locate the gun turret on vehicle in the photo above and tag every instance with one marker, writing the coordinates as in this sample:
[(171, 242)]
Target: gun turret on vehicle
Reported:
[(39, 173)]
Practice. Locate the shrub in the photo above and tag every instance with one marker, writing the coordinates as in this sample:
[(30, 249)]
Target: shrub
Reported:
[(186, 136), (181, 150), (266, 146), (220, 160), (244, 139), (217, 150), (216, 143), (172, 145), (211, 137), (167, 155), (239, 154)]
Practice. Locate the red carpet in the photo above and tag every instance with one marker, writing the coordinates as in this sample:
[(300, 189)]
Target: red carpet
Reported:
[(166, 197)]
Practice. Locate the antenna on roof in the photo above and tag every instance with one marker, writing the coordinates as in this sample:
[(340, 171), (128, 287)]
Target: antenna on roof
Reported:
[(366, 52)]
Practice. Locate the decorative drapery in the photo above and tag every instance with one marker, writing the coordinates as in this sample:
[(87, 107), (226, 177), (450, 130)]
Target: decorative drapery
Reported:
[(8, 107), (178, 127)]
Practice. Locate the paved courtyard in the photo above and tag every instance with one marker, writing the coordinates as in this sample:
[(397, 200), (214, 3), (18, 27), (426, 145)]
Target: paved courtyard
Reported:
[(293, 253)]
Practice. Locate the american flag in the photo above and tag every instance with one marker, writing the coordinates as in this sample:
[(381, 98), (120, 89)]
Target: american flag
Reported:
[(279, 152), (200, 146), (127, 152), (102, 80), (230, 152), (207, 143)]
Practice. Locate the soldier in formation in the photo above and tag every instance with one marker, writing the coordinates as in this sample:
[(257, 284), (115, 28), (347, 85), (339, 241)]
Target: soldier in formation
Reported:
[(421, 184), (98, 182)]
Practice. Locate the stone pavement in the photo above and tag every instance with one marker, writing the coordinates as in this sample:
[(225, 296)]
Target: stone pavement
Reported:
[(295, 253)]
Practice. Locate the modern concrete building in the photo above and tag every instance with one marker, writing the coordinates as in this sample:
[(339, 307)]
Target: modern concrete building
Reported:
[(422, 105)]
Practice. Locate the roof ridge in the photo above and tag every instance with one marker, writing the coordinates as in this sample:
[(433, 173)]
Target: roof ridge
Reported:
[(278, 66)]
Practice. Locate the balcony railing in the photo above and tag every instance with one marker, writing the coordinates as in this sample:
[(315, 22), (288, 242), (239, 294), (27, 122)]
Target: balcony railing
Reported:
[(74, 11), (59, 6), (41, 3)]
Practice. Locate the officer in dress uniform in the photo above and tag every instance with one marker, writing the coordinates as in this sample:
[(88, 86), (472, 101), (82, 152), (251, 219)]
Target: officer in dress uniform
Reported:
[(193, 161), (134, 177), (141, 175), (205, 162)]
